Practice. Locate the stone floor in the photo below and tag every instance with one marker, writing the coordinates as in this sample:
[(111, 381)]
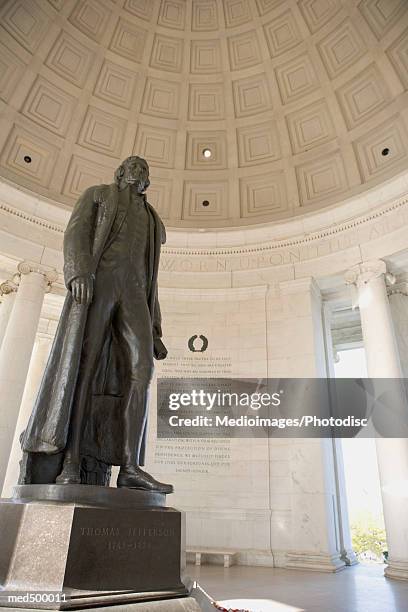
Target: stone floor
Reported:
[(360, 588)]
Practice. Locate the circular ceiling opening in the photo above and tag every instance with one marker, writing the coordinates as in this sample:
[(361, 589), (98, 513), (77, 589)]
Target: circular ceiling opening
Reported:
[(206, 203), (207, 153), (27, 159)]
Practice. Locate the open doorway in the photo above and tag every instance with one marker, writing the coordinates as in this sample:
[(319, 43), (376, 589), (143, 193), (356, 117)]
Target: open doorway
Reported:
[(361, 475)]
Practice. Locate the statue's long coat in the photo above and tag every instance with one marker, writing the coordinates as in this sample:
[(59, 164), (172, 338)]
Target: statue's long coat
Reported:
[(87, 236)]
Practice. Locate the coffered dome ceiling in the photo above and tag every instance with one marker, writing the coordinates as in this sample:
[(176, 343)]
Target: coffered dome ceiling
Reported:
[(301, 103)]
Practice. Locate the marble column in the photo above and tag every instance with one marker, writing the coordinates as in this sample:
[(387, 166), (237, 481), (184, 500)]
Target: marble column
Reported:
[(398, 297), (347, 553), (8, 291), (383, 361), (16, 349), (305, 511), (39, 357)]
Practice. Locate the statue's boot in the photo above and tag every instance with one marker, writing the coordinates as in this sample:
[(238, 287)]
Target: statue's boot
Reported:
[(133, 477), (70, 474), (134, 424)]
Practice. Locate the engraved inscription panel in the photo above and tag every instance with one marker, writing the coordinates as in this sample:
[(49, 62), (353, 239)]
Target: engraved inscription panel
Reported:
[(119, 549)]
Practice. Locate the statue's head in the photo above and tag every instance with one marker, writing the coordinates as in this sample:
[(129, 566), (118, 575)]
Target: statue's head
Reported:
[(133, 170)]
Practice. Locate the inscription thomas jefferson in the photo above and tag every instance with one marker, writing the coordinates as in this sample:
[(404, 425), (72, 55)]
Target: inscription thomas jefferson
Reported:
[(145, 542)]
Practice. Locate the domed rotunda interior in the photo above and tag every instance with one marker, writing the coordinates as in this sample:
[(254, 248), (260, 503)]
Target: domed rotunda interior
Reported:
[(276, 135), (299, 105)]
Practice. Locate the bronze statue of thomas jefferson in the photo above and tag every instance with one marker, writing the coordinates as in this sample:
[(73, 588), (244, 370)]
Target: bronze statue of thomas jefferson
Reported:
[(91, 409)]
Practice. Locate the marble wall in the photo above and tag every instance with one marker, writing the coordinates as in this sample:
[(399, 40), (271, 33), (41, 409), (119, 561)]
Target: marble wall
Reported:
[(272, 500), (222, 484)]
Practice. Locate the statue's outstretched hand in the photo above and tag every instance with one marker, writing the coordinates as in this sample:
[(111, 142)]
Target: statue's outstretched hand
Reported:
[(159, 350), (82, 289)]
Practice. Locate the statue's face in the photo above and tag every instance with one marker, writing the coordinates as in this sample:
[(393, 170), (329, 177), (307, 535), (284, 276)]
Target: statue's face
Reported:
[(136, 172)]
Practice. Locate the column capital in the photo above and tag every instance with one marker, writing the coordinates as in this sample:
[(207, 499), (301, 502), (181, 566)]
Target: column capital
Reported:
[(9, 286), (50, 274), (364, 272)]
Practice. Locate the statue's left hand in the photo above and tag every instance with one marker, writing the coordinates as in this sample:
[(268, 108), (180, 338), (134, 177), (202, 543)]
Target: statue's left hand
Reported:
[(159, 350)]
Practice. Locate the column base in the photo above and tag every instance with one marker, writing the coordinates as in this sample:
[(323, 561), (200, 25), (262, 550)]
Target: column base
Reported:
[(397, 569), (318, 562)]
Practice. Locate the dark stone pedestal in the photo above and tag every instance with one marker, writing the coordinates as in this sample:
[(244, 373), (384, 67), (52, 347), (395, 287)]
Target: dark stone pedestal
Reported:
[(90, 546)]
